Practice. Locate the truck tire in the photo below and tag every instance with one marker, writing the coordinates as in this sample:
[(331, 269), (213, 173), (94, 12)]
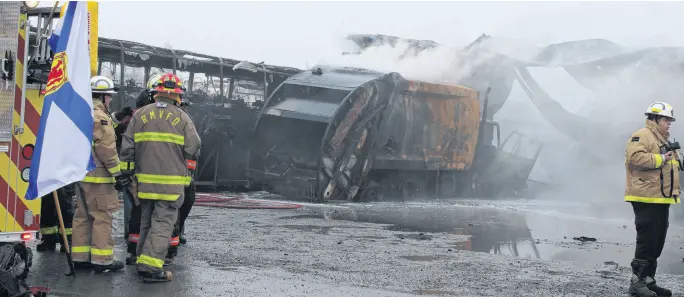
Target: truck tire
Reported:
[(372, 193)]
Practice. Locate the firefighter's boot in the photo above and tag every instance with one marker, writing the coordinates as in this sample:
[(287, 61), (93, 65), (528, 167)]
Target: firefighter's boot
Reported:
[(115, 266), (158, 277), (651, 282), (131, 259), (83, 265), (47, 243), (638, 286)]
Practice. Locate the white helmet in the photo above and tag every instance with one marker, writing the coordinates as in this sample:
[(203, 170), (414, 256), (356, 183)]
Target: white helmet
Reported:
[(661, 109), (102, 85)]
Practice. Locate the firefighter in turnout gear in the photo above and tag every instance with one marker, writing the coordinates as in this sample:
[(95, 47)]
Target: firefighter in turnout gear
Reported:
[(49, 224), (131, 210), (93, 240), (159, 140), (132, 221), (652, 184)]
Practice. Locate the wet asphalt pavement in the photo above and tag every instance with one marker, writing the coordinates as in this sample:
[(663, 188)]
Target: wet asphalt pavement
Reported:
[(448, 247)]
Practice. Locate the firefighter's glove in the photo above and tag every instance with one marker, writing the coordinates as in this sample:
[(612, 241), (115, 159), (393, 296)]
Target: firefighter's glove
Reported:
[(124, 112), (122, 182)]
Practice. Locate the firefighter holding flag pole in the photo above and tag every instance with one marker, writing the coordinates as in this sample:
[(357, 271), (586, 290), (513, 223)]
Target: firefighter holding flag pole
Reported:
[(72, 116)]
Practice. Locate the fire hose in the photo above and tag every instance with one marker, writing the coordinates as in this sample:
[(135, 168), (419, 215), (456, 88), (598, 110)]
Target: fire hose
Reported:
[(239, 202)]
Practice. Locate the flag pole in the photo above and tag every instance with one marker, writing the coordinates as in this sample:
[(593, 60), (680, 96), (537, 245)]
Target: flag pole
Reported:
[(64, 236)]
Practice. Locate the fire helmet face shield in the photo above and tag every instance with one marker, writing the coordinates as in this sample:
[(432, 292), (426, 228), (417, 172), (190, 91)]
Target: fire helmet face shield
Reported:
[(102, 85), (662, 109), (153, 80)]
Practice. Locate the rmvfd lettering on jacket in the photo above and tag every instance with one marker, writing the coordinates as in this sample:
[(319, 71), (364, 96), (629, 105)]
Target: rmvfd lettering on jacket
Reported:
[(161, 115)]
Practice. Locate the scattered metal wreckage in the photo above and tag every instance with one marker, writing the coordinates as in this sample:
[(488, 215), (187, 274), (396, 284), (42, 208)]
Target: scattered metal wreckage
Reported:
[(620, 81)]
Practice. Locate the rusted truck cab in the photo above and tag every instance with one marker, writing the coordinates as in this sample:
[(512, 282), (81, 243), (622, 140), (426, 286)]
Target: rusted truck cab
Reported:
[(339, 133), (308, 131)]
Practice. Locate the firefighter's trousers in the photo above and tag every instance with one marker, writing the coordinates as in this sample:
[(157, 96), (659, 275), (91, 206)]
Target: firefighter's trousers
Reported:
[(49, 222), (652, 222), (157, 222), (133, 238), (183, 212), (93, 239)]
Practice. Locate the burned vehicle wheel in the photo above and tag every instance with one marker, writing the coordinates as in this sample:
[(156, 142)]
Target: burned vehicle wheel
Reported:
[(372, 193), (411, 190)]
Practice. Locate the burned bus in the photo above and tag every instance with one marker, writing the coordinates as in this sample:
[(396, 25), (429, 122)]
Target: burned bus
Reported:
[(224, 96)]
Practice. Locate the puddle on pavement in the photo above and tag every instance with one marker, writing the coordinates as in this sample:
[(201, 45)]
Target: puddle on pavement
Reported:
[(310, 228), (419, 258), (430, 292), (304, 216), (419, 236), (515, 233)]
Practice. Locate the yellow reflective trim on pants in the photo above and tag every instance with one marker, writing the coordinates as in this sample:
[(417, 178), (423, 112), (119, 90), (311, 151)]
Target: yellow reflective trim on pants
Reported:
[(658, 160), (163, 179), (659, 200), (54, 230), (99, 180), (159, 136), (127, 165), (49, 230), (149, 261), (80, 249), (99, 252), (157, 196), (114, 170)]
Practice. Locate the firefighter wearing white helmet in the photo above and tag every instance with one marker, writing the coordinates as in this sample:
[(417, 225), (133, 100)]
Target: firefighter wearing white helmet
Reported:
[(93, 241), (652, 184)]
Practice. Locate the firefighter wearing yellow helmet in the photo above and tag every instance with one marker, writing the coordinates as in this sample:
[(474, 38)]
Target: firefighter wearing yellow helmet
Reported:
[(93, 242), (652, 184), (159, 139)]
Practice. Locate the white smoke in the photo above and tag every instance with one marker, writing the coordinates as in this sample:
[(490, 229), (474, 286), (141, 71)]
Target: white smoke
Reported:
[(443, 64), (591, 168)]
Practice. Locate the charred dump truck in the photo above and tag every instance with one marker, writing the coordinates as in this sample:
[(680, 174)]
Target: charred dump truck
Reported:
[(339, 133)]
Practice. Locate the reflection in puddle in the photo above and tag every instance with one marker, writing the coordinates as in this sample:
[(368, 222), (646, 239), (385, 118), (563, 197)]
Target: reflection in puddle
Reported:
[(544, 235)]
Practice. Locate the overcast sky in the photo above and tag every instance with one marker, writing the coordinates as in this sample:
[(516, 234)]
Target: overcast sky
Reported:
[(300, 33)]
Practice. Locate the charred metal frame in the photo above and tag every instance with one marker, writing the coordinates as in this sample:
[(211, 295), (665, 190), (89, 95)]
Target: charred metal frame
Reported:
[(116, 51), (128, 54)]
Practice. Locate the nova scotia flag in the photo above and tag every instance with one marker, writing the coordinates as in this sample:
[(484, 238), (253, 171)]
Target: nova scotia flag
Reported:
[(63, 151)]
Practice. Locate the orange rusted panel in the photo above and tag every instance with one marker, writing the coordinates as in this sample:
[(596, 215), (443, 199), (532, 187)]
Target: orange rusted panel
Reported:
[(452, 123)]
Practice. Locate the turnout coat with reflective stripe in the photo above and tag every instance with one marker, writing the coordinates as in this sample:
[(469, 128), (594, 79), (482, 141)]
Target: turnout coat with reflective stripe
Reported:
[(156, 144), (644, 163), (104, 148)]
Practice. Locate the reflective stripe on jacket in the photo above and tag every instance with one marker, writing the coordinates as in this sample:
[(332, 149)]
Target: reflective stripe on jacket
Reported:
[(644, 164), (159, 139), (104, 148)]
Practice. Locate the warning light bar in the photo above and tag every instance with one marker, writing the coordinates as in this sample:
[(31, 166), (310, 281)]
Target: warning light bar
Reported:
[(26, 236)]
